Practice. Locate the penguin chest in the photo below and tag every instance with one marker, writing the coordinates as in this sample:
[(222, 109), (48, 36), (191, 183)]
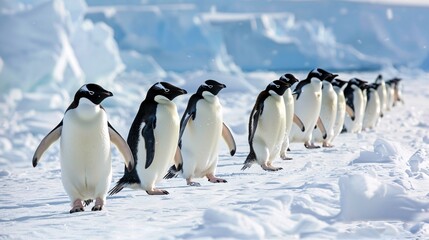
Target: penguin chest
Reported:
[(307, 107), (272, 123), (358, 102), (289, 108), (201, 137), (166, 136), (85, 141), (329, 106), (85, 150)]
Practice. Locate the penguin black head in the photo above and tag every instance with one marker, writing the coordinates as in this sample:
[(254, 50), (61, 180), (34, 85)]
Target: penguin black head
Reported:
[(211, 86), (338, 82), (288, 78), (164, 90), (358, 82), (379, 78), (277, 86), (93, 92), (326, 75)]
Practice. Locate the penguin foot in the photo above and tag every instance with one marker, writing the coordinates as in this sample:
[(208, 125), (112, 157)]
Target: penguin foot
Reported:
[(284, 157), (193, 184), (77, 206), (310, 146), (213, 179), (327, 145), (157, 192), (98, 206), (271, 168)]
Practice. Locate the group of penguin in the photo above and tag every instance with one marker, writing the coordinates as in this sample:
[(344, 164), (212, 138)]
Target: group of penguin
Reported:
[(160, 145), (314, 110)]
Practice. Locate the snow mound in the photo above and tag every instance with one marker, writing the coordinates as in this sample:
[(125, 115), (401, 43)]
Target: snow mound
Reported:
[(363, 198), (418, 163), (385, 151), (266, 218)]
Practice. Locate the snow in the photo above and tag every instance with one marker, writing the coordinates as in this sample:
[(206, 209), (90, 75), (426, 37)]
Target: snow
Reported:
[(370, 185)]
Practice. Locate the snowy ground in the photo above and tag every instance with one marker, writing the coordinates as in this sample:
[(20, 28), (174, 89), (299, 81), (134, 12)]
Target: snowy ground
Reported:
[(351, 191)]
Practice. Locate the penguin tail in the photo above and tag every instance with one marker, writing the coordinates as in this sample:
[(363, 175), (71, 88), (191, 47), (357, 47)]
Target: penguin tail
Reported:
[(250, 160), (119, 186), (173, 171)]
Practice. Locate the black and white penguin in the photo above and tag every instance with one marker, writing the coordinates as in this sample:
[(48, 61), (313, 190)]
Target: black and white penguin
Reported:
[(201, 128), (355, 105), (339, 86), (373, 108), (86, 167), (395, 92), (382, 94), (267, 127), (308, 101), (328, 110), (153, 139), (290, 112)]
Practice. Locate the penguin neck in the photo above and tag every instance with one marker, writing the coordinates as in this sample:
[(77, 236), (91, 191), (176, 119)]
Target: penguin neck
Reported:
[(162, 100), (87, 110), (208, 96)]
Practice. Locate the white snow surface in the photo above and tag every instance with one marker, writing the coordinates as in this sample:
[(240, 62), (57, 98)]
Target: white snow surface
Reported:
[(374, 184)]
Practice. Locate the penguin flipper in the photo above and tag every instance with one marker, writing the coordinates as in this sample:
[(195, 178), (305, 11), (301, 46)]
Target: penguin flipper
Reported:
[(298, 122), (123, 147), (229, 139), (149, 139), (190, 111), (351, 112), (322, 128), (46, 142)]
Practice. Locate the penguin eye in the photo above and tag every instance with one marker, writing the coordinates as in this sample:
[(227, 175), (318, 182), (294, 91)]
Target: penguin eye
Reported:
[(210, 86), (166, 90), (91, 93), (277, 86)]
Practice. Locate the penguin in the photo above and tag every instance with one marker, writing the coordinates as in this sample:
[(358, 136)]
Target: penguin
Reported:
[(201, 128), (354, 105), (328, 110), (390, 89), (373, 108), (267, 127), (290, 113), (153, 139), (85, 132), (339, 86), (396, 93), (382, 94), (307, 103)]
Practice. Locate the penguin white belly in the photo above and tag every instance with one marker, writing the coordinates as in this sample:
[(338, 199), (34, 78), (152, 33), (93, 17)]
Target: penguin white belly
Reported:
[(328, 112), (200, 139), (270, 130), (166, 135), (289, 107), (356, 125), (390, 97), (382, 94), (307, 108), (372, 111), (85, 156), (341, 111)]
